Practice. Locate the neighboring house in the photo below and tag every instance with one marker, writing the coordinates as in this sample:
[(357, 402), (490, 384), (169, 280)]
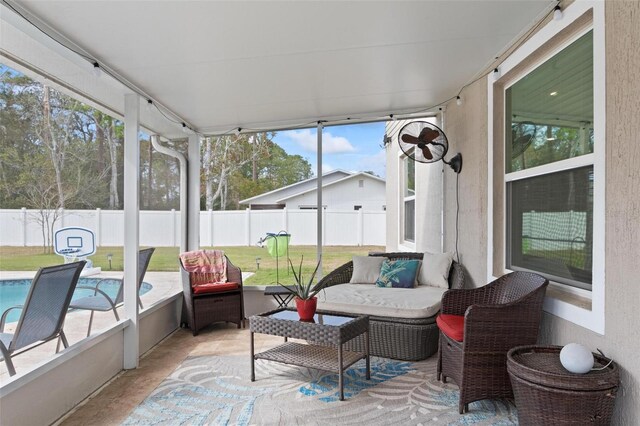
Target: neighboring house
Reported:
[(341, 190), (569, 211)]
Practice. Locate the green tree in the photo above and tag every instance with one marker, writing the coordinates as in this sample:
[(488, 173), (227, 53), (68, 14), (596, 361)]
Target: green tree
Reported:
[(46, 136), (47, 160), (238, 167), (275, 170), (16, 137)]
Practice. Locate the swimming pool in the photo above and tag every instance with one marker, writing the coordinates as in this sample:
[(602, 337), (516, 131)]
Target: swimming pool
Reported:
[(14, 292)]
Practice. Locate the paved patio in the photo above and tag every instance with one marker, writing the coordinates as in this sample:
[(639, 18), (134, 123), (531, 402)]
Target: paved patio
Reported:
[(116, 400)]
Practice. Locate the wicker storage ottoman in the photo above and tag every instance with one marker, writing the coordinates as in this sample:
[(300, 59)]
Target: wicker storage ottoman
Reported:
[(546, 393), (399, 340)]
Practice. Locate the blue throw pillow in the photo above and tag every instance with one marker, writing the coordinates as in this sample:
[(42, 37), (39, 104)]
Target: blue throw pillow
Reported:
[(400, 273)]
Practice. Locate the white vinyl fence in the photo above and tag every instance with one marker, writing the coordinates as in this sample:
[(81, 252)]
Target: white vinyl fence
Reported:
[(217, 228)]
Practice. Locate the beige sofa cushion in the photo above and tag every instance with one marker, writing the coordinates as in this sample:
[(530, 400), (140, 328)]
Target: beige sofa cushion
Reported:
[(366, 269), (435, 269), (408, 303)]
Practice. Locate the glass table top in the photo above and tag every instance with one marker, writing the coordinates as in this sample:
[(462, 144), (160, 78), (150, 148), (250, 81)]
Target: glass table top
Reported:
[(318, 318)]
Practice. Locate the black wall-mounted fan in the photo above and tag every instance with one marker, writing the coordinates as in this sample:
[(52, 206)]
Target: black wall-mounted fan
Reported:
[(522, 135), (426, 143)]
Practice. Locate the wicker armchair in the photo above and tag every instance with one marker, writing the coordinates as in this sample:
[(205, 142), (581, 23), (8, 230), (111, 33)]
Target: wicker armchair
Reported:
[(497, 317), (397, 338), (200, 310)]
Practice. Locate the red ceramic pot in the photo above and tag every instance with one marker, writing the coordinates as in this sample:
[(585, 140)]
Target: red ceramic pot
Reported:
[(306, 308)]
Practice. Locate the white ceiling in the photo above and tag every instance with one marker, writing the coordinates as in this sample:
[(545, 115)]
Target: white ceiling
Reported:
[(267, 64)]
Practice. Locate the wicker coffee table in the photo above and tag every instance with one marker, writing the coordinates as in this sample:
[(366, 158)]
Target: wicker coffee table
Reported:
[(329, 333)]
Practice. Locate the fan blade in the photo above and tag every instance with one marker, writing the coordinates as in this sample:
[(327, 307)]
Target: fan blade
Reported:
[(520, 145), (427, 152), (410, 139), (427, 135), (524, 139)]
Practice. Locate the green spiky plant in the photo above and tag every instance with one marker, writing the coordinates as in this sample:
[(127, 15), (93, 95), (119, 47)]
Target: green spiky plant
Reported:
[(300, 289)]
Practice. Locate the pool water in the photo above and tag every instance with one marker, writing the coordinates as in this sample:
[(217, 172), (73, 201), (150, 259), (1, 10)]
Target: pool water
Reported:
[(14, 292)]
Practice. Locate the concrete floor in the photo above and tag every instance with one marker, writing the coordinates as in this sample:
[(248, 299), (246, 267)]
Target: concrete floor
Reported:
[(112, 404)]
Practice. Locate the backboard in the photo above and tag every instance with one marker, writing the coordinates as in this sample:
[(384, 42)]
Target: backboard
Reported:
[(74, 242)]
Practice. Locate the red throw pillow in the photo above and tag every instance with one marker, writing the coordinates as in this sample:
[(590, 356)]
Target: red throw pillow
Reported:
[(451, 325), (213, 287)]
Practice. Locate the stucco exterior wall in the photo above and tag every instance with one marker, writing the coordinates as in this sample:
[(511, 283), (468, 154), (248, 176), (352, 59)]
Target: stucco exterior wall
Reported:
[(466, 128), (428, 210), (621, 340), (429, 206)]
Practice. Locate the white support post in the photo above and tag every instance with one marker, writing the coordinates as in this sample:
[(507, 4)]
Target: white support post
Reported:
[(98, 227), (193, 219), (441, 186), (131, 228), (319, 210)]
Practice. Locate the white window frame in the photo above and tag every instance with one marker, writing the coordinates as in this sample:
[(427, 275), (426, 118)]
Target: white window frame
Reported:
[(593, 318), (405, 245)]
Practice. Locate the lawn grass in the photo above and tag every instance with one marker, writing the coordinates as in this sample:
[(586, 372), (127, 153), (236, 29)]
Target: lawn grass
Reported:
[(166, 259)]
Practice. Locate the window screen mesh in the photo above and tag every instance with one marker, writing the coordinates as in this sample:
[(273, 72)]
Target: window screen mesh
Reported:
[(409, 220), (550, 221)]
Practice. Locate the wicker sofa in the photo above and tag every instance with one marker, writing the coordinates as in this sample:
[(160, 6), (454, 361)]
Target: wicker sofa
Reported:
[(408, 339)]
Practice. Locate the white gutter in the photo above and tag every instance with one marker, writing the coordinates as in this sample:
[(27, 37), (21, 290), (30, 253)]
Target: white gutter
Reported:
[(155, 141)]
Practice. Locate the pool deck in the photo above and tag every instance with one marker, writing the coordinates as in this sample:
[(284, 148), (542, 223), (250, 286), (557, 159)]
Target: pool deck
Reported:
[(164, 284)]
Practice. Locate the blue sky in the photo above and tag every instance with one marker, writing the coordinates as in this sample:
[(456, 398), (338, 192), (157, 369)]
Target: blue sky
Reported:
[(354, 147)]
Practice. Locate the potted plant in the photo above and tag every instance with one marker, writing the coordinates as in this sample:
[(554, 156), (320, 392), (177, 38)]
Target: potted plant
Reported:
[(305, 294)]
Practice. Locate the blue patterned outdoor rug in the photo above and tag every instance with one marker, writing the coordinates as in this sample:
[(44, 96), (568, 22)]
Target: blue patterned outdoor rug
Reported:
[(212, 390)]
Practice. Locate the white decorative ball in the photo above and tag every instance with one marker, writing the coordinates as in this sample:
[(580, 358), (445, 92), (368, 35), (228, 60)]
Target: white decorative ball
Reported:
[(576, 358)]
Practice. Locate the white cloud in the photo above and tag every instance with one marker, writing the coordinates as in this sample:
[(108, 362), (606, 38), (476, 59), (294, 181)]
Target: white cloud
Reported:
[(330, 144), (327, 168), (376, 163)]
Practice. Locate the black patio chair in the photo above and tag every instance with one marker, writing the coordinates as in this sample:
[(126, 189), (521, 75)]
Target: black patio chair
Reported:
[(101, 301)]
